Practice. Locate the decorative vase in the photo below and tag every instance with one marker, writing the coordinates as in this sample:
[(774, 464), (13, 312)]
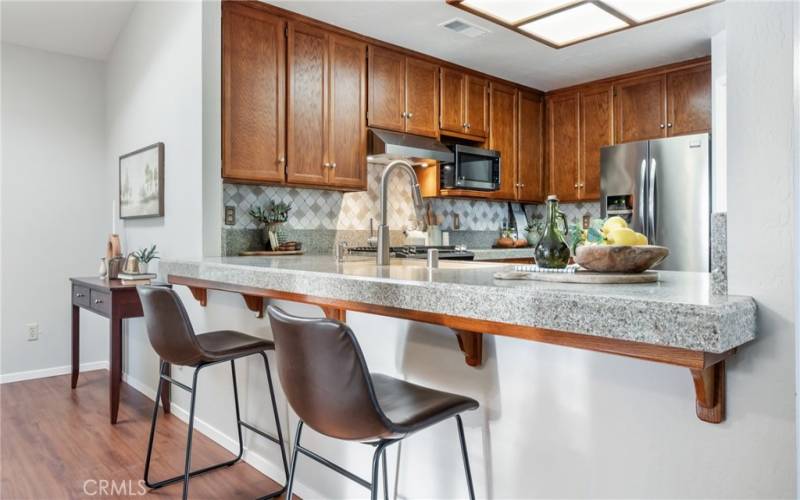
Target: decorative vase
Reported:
[(103, 271), (273, 235), (143, 266), (552, 252)]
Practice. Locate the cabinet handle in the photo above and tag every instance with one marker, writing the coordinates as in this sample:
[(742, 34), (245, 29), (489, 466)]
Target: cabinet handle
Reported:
[(464, 125), (404, 114), (409, 115), (326, 165), (669, 125), (98, 301), (583, 185), (469, 125), (662, 125), (522, 185), (79, 295), (576, 185), (281, 160), (333, 165)]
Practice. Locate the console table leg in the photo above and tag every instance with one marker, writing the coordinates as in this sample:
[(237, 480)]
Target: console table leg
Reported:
[(76, 344), (115, 372)]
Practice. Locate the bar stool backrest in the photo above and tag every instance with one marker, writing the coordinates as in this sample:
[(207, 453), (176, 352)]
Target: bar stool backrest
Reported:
[(168, 326), (325, 377)]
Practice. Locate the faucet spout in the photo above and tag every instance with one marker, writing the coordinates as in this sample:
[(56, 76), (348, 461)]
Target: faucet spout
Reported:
[(383, 253)]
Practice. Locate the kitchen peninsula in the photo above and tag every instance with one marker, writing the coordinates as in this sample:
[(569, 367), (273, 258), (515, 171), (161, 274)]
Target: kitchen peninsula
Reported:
[(676, 321)]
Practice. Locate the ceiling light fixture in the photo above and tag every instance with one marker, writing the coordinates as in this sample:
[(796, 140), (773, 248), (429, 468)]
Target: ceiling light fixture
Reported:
[(561, 23)]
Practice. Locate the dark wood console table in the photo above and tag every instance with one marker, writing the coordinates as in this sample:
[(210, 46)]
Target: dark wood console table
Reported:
[(115, 301)]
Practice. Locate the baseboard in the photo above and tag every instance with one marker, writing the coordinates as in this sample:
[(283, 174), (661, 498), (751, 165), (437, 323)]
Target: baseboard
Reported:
[(50, 372), (259, 462)]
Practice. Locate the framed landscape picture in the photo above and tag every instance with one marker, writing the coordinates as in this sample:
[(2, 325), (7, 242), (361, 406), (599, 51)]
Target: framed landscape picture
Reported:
[(141, 183)]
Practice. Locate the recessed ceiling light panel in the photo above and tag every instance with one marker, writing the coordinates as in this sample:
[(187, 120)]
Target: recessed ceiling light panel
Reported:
[(515, 11), (645, 10), (575, 24)]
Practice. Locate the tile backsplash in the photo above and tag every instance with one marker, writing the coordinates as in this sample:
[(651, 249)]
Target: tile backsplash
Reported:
[(322, 209)]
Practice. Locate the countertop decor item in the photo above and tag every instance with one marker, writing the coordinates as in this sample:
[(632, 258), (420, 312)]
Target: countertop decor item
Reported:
[(581, 276), (552, 251), (270, 253), (145, 255), (141, 183), (533, 231), (131, 264), (272, 217), (620, 259)]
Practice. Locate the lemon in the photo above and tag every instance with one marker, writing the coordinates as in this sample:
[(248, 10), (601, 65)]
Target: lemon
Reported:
[(642, 239), (623, 236), (613, 223)]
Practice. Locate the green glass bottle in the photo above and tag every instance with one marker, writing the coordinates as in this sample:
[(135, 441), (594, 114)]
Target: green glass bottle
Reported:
[(552, 251)]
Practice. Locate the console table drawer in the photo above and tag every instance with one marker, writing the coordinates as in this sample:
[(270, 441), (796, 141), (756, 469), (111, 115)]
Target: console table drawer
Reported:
[(80, 296), (101, 302)]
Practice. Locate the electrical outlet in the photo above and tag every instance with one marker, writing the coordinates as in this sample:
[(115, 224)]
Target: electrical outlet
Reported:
[(587, 220), (230, 215), (33, 331)]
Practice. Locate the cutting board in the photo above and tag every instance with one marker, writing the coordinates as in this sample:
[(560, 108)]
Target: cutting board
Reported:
[(270, 253), (581, 276)]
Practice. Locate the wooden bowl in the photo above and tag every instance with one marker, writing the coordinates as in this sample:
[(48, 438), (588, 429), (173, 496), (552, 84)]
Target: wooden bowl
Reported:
[(620, 259)]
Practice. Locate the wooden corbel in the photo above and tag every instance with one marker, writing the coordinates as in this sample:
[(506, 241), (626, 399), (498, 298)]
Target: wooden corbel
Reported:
[(255, 304), (200, 295), (471, 344), (709, 389), (336, 313)]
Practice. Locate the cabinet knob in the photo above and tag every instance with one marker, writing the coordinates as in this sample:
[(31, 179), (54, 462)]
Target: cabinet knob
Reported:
[(662, 125), (669, 125), (404, 114), (522, 185), (98, 301), (464, 125), (469, 125), (576, 185), (79, 295), (409, 115), (583, 185), (333, 165), (326, 165), (281, 160)]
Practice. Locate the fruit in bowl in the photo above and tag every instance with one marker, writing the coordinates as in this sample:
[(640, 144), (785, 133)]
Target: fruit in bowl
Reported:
[(610, 246)]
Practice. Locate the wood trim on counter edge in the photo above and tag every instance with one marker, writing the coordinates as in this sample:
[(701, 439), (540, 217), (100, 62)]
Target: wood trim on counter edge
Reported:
[(289, 15), (707, 369)]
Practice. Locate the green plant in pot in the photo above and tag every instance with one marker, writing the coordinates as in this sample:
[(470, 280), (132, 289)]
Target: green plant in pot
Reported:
[(272, 216), (145, 255)]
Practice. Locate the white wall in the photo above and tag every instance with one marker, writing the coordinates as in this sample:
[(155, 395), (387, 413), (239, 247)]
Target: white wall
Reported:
[(554, 422), (56, 215)]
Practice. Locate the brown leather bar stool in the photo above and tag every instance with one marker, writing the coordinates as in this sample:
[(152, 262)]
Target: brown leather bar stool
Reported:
[(327, 383), (173, 338)]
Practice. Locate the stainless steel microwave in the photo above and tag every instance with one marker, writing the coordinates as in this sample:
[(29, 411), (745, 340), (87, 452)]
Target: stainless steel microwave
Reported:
[(472, 168)]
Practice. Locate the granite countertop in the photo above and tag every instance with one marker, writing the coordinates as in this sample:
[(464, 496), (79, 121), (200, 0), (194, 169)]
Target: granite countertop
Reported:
[(679, 311), (502, 253)]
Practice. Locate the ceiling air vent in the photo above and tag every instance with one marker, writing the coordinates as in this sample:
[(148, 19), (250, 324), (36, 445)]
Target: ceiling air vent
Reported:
[(465, 28)]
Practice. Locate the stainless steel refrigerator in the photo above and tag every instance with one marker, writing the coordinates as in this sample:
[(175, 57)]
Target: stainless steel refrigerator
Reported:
[(663, 189)]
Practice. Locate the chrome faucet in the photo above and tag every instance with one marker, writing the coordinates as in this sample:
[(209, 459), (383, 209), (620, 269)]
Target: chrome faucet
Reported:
[(383, 229)]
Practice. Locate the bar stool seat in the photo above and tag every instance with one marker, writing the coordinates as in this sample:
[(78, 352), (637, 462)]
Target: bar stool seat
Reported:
[(224, 344), (410, 407)]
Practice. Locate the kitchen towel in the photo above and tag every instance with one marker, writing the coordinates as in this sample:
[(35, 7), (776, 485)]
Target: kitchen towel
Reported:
[(536, 269)]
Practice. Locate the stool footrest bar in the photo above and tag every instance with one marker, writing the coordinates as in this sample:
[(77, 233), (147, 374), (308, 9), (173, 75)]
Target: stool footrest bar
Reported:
[(175, 382), (259, 432), (327, 463)]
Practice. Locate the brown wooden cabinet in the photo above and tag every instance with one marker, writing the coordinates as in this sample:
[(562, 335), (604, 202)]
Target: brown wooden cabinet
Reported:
[(403, 92), (464, 108), (253, 104), (326, 96), (596, 131), (503, 137), (689, 101), (640, 108), (563, 145), (530, 158)]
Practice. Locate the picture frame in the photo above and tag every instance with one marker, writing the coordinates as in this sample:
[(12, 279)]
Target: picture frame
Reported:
[(141, 183)]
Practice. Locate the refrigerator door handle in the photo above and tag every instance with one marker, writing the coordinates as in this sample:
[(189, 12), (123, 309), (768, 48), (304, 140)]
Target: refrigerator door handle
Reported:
[(652, 216), (642, 194)]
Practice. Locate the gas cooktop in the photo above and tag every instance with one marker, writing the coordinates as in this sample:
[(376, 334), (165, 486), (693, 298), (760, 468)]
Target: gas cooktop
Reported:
[(449, 252)]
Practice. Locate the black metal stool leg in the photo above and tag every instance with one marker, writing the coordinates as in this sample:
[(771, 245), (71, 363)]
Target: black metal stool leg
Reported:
[(293, 468), (385, 476), (187, 468), (281, 442), (380, 449), (238, 415), (153, 428), (465, 457)]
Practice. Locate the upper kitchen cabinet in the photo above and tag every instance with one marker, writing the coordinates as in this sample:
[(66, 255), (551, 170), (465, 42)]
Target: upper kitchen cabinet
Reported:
[(689, 100), (403, 92), (596, 132), (563, 145), (326, 109), (640, 113), (663, 103), (530, 172), (253, 86), (464, 108), (503, 137)]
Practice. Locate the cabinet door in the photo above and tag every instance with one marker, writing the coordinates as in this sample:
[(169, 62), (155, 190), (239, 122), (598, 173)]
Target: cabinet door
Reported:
[(307, 105), (387, 76), (452, 116), (347, 144), (596, 132), (477, 106), (640, 109), (422, 97), (530, 141), (563, 145), (503, 137), (689, 101), (253, 69)]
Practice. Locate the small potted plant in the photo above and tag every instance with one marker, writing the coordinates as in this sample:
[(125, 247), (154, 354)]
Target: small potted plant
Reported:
[(145, 255), (272, 217)]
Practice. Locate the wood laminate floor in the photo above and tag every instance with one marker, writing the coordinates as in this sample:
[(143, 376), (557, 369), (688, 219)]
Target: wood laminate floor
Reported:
[(57, 443)]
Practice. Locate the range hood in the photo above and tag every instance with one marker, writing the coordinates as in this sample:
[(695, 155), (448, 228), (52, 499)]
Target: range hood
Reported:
[(384, 146)]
